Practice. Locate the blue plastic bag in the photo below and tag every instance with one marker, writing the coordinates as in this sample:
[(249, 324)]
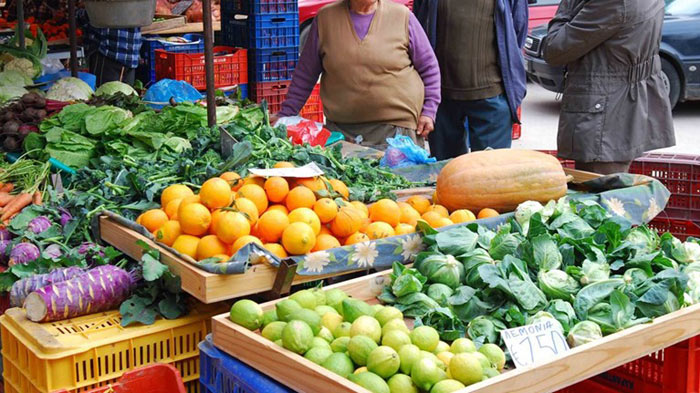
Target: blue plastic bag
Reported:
[(159, 94), (403, 152), (50, 79)]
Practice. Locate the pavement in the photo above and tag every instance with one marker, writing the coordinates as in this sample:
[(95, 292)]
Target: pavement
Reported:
[(540, 117)]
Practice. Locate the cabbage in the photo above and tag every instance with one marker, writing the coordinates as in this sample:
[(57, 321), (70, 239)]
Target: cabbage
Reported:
[(14, 78), (556, 284), (109, 88), (443, 269), (8, 93), (583, 333), (25, 66), (643, 238), (440, 293), (527, 209), (543, 317), (69, 89), (563, 312), (687, 252)]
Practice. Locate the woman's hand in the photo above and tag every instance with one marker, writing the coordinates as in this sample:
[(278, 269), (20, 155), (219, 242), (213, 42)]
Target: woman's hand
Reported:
[(425, 126)]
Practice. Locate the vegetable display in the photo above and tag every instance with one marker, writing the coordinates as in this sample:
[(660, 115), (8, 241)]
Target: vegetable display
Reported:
[(22, 117), (69, 89), (22, 288)]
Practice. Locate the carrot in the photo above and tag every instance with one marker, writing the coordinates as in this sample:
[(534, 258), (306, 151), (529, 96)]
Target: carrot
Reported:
[(36, 198), (7, 187), (5, 198), (17, 204)]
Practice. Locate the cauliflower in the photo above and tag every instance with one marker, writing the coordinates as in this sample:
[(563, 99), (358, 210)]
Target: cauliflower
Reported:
[(69, 89), (24, 66)]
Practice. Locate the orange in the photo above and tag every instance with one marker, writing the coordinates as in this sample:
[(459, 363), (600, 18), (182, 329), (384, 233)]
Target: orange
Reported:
[(420, 203), (325, 231), (276, 189), (187, 245), (300, 197), (258, 181), (404, 229), (307, 216), (248, 208), (271, 225), (222, 257), (139, 218), (215, 215), (215, 193), (209, 246), (444, 222), (242, 241), (432, 218), (256, 194), (315, 184), (283, 164), (174, 191), (340, 187), (487, 213), (385, 210), (233, 179), (254, 230), (347, 222), (171, 208), (276, 249), (154, 219), (439, 209), (361, 207), (409, 215), (194, 219), (326, 210), (435, 198), (186, 201), (298, 238), (365, 224), (380, 230), (231, 226), (168, 232), (356, 238), (463, 215), (280, 208), (325, 242)]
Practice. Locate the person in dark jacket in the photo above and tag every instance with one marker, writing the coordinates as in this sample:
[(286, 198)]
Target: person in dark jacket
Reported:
[(478, 44), (615, 105)]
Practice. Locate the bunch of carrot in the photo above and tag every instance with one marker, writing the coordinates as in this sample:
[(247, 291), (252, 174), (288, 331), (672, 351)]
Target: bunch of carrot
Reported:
[(20, 184)]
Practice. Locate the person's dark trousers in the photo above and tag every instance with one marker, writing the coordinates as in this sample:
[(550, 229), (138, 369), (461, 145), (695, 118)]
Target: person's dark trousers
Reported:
[(108, 70), (476, 125)]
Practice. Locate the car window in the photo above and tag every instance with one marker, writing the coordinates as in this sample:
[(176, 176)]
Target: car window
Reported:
[(683, 7), (547, 2)]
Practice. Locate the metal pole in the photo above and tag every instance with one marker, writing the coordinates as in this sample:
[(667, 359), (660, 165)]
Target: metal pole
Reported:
[(209, 61), (20, 24), (72, 35)]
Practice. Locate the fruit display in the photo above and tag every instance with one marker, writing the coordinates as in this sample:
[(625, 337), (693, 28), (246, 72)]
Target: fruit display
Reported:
[(500, 179), (370, 345)]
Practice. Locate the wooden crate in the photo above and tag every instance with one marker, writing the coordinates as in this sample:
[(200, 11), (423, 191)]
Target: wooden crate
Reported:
[(579, 364), (206, 287), (167, 22)]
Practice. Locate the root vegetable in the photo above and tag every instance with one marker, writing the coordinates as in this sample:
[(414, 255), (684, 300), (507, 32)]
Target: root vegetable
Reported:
[(11, 143), (11, 127), (100, 289), (23, 253), (5, 198), (16, 205), (7, 187), (22, 288), (37, 198)]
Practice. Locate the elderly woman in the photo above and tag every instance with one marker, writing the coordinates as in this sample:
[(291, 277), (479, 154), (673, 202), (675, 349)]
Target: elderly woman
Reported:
[(379, 74)]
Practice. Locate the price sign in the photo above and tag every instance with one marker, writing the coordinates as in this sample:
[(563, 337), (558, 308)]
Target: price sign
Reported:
[(534, 343)]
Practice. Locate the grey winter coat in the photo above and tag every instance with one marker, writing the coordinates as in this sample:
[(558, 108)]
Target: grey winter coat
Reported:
[(615, 105)]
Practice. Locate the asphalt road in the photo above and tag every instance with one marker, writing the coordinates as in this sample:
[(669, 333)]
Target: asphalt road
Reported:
[(540, 116)]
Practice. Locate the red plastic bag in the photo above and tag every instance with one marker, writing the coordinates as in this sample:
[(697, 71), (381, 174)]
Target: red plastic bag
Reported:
[(308, 132)]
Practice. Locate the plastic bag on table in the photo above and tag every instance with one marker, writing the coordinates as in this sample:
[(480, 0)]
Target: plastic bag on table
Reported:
[(403, 152), (301, 131), (160, 93)]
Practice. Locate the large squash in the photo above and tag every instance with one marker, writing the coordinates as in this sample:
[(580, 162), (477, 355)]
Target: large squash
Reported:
[(500, 179)]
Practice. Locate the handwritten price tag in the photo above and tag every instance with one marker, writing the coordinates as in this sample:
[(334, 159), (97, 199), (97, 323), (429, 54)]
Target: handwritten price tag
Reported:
[(534, 343)]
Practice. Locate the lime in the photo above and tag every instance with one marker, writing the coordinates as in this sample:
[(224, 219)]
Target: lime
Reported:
[(297, 336), (490, 373), (318, 355), (335, 297), (359, 349), (396, 339), (466, 368), (426, 373), (273, 331), (366, 326), (319, 342), (342, 330), (401, 383), (360, 370), (340, 364), (331, 321), (495, 355), (305, 298), (445, 357), (323, 310), (285, 308), (377, 308), (485, 362), (395, 324), (441, 347), (409, 354), (247, 313), (340, 344), (384, 361), (320, 296), (353, 309), (461, 345), (370, 381), (269, 316), (425, 337), (325, 334), (433, 357), (310, 317), (386, 314), (447, 386)]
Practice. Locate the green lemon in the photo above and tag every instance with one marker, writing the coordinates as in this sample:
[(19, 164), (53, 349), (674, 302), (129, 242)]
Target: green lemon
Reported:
[(318, 355), (401, 383), (285, 308), (342, 330), (495, 355), (340, 344), (485, 362), (490, 373), (366, 326), (273, 331), (319, 342), (425, 337), (441, 347), (323, 310), (396, 339), (310, 317), (325, 334), (353, 309), (320, 295), (297, 336), (370, 381), (409, 354), (447, 386), (305, 298), (340, 364), (462, 345), (359, 349), (388, 313), (395, 324), (247, 313), (466, 368), (331, 321), (335, 297), (384, 361), (426, 373), (433, 357), (269, 316)]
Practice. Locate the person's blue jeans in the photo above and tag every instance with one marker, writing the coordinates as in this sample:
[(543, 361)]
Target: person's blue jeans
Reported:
[(476, 125)]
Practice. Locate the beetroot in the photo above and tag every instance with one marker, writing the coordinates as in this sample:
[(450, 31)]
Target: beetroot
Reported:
[(100, 289), (23, 253), (39, 224), (25, 286)]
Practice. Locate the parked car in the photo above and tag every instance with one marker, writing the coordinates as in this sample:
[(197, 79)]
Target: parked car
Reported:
[(541, 12), (680, 54)]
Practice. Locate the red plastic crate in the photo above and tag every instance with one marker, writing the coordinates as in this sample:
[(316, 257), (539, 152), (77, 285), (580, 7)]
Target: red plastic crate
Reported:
[(155, 378), (275, 93), (230, 67), (571, 164), (681, 175), (313, 109), (682, 229), (517, 127)]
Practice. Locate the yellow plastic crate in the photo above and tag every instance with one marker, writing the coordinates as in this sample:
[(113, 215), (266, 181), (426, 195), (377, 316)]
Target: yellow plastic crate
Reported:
[(84, 353)]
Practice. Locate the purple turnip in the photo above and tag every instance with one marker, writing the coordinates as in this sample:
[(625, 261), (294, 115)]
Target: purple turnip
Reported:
[(5, 234), (65, 216), (3, 248), (90, 251), (39, 224), (23, 253), (25, 286), (53, 251)]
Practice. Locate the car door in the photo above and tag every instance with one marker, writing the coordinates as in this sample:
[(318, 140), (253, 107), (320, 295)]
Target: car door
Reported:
[(541, 12), (682, 35)]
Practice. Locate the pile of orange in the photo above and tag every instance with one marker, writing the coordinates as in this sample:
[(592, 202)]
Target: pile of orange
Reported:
[(287, 216)]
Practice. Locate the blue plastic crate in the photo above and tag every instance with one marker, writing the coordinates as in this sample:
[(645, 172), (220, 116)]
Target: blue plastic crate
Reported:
[(221, 373), (258, 7), (261, 31), (147, 71), (272, 65)]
